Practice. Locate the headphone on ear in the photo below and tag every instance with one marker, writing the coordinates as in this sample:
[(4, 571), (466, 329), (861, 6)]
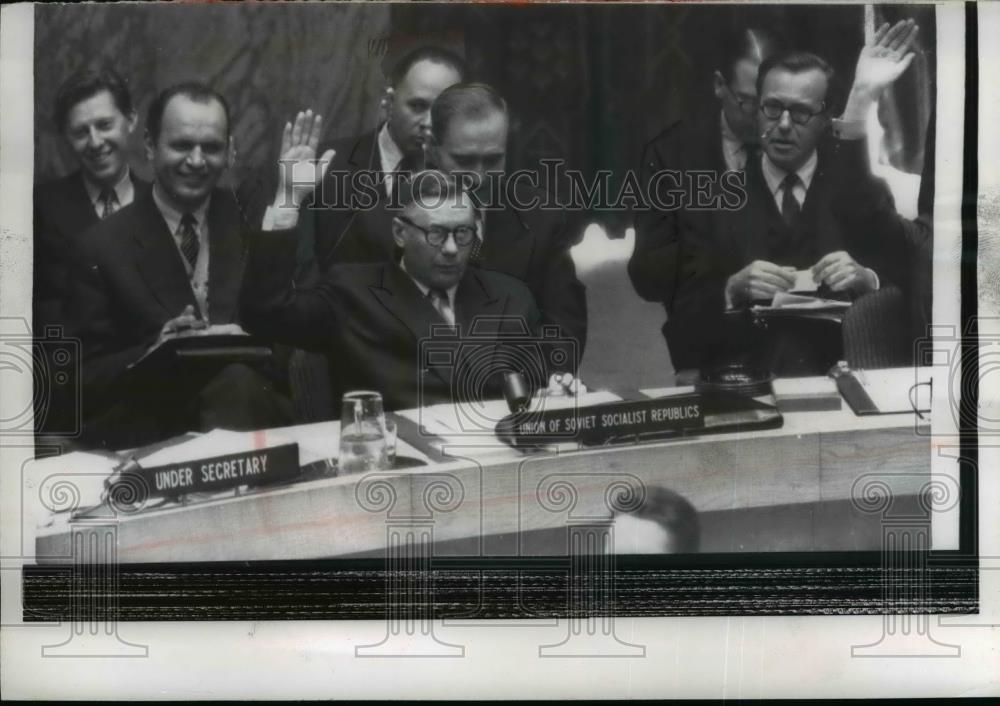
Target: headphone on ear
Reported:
[(386, 101)]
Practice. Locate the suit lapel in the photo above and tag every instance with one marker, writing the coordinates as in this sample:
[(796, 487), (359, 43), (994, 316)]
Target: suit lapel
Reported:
[(401, 298), (225, 262), (503, 230), (760, 220), (75, 211), (159, 260)]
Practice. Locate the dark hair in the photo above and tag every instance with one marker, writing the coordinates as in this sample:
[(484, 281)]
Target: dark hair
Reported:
[(797, 62), (86, 83), (436, 55), (192, 90), (472, 101), (429, 186), (674, 513), (746, 43)]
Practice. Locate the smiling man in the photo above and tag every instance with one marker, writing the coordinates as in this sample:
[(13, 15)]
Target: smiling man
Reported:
[(170, 262), (791, 222), (94, 114), (371, 319)]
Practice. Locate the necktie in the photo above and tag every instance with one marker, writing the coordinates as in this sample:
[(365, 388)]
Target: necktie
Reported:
[(109, 202), (790, 208), (189, 238), (441, 303)]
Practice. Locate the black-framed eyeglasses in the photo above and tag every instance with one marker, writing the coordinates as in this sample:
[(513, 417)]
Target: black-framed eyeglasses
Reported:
[(747, 105), (800, 114), (436, 236)]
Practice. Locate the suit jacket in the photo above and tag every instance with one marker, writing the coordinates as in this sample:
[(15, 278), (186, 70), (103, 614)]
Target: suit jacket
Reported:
[(911, 240), (374, 324), (685, 147), (62, 210), (132, 280), (722, 242)]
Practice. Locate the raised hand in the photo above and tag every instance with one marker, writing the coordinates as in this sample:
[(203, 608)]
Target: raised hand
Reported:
[(298, 169), (885, 57)]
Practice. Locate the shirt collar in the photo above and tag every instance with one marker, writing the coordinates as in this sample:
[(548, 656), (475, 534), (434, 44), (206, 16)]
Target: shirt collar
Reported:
[(172, 216), (123, 189), (774, 175), (389, 152), (424, 289)]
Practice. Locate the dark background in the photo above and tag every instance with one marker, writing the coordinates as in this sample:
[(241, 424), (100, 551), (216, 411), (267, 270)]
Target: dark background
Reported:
[(589, 84)]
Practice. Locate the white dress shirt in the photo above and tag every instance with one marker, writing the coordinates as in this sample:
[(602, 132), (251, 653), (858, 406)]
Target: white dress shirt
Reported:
[(124, 192), (390, 156), (198, 274)]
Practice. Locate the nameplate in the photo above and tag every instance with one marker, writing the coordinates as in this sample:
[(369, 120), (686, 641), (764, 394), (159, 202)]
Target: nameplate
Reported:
[(613, 422), (209, 475)]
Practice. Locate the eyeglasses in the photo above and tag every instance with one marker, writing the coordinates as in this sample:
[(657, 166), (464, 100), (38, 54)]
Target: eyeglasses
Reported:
[(436, 236), (747, 105), (800, 114)]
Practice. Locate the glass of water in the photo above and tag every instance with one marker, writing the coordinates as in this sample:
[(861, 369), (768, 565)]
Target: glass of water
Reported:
[(362, 433)]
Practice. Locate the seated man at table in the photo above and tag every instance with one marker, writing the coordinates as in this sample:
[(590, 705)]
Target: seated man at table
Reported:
[(169, 263), (789, 223), (374, 320)]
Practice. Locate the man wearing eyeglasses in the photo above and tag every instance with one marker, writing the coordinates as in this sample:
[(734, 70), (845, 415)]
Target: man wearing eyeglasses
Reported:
[(717, 142), (371, 318), (790, 223)]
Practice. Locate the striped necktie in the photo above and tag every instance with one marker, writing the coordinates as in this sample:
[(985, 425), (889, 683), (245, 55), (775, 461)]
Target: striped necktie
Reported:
[(188, 231)]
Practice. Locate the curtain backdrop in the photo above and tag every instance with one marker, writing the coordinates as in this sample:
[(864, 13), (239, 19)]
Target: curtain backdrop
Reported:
[(269, 60), (588, 84)]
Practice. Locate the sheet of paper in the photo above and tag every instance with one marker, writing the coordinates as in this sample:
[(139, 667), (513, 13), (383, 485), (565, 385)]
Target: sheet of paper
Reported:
[(897, 389), (785, 300), (804, 281)]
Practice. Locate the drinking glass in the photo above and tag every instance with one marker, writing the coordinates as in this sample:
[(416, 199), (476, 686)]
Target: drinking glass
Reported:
[(362, 433)]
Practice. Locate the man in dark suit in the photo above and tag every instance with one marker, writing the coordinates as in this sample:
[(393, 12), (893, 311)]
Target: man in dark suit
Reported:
[(168, 264), (94, 114), (470, 124), (788, 224), (373, 319), (716, 142)]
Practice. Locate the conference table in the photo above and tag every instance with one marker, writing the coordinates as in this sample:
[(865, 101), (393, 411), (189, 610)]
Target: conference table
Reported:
[(474, 495)]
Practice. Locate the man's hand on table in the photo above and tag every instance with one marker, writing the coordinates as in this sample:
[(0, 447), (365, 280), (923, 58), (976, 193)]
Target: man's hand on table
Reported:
[(565, 384)]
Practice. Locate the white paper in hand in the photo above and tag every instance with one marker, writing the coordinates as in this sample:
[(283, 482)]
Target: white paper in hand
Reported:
[(804, 281)]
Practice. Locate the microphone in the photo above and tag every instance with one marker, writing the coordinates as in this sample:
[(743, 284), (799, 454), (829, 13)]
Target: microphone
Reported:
[(516, 392)]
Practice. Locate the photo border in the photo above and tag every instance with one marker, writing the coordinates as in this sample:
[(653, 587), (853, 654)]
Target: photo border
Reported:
[(747, 584)]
